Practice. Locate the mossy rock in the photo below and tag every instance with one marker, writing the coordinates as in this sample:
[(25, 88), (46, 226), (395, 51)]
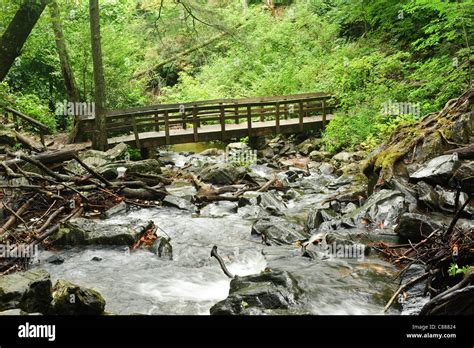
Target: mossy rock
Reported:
[(71, 299)]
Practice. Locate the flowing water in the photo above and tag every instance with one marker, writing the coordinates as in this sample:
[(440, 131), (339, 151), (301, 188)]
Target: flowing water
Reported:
[(141, 282)]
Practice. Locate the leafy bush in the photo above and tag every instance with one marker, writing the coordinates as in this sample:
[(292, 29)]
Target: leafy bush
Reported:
[(33, 106)]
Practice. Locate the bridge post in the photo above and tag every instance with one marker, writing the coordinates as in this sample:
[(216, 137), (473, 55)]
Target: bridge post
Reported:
[(195, 125), (135, 132), (157, 126), (324, 113), (249, 120), (277, 118), (236, 111), (167, 128), (300, 104), (222, 119)]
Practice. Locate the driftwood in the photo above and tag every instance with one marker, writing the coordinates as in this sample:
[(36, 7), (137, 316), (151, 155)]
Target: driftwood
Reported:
[(465, 152), (11, 221), (456, 300), (28, 142)]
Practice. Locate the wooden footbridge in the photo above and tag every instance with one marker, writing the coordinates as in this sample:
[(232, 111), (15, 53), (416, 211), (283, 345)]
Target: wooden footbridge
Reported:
[(220, 119)]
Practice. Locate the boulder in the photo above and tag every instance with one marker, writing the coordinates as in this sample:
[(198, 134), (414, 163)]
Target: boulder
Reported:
[(414, 226), (238, 146), (383, 207), (309, 145), (464, 175), (347, 157), (162, 247), (71, 299), (271, 203), (148, 166), (30, 291), (220, 173), (413, 298), (179, 202), (319, 156), (438, 170), (278, 231), (110, 155), (317, 216), (212, 152), (82, 231), (265, 293)]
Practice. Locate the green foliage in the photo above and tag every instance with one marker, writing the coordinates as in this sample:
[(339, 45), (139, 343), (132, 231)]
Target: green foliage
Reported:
[(454, 270), (34, 107), (133, 153)]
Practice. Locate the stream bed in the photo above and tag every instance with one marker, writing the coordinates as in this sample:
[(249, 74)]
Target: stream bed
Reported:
[(139, 282)]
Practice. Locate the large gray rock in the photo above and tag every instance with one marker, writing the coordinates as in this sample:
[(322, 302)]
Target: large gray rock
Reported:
[(162, 247), (148, 166), (179, 202), (414, 297), (438, 170), (383, 207), (347, 157), (112, 154), (464, 176), (266, 293), (271, 203), (278, 231), (309, 145), (81, 231), (319, 156), (220, 173), (414, 226), (71, 299), (30, 291)]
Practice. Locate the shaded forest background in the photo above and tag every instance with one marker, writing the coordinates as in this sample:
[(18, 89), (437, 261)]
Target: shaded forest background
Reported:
[(366, 53)]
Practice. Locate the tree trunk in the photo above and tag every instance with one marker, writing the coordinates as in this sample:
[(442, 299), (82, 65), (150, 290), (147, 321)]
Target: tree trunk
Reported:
[(99, 141), (18, 30), (66, 70)]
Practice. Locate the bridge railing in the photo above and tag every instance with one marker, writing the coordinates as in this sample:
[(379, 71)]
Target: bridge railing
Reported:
[(171, 118)]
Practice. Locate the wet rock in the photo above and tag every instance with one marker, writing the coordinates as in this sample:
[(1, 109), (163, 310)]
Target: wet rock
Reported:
[(414, 226), (115, 210), (96, 259), (317, 216), (162, 247), (220, 209), (415, 298), (326, 169), (265, 293), (178, 202), (348, 208), (238, 146), (464, 176), (278, 231), (271, 203), (148, 166), (319, 156), (382, 208), (438, 170), (347, 157), (212, 152), (30, 291), (118, 151), (427, 195), (55, 260), (81, 231), (220, 173), (71, 299), (309, 145)]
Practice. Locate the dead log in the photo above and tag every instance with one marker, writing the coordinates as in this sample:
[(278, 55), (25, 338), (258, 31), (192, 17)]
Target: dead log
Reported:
[(28, 142), (12, 219), (46, 157), (466, 152), (146, 194)]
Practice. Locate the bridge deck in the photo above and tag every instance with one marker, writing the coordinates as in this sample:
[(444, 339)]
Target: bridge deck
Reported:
[(214, 132)]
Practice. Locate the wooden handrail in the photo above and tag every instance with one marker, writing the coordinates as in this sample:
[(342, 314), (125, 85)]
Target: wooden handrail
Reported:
[(218, 112), (30, 120)]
